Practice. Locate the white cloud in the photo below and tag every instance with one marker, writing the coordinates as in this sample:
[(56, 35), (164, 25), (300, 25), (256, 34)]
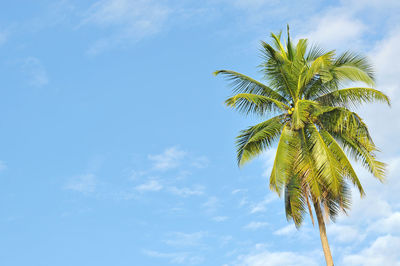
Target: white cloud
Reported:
[(375, 4), (176, 258), (262, 205), (345, 233), (287, 230), (54, 14), (84, 183), (337, 28), (386, 60), (268, 158), (185, 239), (35, 71), (383, 251), (211, 205), (130, 21), (151, 185), (200, 162), (381, 200), (255, 225), (263, 257), (243, 201), (389, 224), (186, 192), (239, 190), (170, 158), (135, 175)]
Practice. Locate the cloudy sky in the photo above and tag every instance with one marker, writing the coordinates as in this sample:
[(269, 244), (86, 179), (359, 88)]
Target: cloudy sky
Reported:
[(116, 148)]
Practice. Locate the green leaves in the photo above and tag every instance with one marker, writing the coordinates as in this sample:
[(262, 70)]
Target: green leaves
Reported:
[(327, 166), (253, 103), (295, 202), (244, 84), (346, 167), (317, 67), (346, 73), (283, 163), (302, 112), (256, 139), (352, 97), (355, 60), (315, 129), (362, 149)]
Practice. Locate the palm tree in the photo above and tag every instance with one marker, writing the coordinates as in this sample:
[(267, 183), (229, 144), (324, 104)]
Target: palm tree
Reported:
[(307, 111)]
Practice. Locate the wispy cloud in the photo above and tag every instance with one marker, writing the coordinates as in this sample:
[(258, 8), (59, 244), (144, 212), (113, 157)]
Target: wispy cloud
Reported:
[(185, 239), (186, 192), (135, 175), (151, 185), (287, 230), (35, 72), (84, 183), (239, 190), (262, 205), (211, 205), (170, 158), (255, 225), (176, 257), (200, 162), (129, 21)]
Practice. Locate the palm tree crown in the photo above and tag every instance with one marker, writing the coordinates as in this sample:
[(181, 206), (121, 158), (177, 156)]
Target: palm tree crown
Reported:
[(308, 112)]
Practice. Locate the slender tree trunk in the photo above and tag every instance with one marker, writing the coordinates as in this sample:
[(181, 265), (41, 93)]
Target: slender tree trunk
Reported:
[(322, 232)]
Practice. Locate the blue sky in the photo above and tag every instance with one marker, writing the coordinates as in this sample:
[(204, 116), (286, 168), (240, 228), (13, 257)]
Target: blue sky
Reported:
[(116, 148)]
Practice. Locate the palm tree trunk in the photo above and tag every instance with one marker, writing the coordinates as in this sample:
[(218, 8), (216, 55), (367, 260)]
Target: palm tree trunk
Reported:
[(322, 233)]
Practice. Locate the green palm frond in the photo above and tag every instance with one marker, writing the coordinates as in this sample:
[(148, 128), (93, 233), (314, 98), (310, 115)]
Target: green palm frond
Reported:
[(244, 84), (346, 73), (317, 68), (301, 48), (278, 44), (328, 166), (295, 203), (353, 97), (276, 69), (302, 111), (334, 204), (306, 166), (346, 167), (254, 103), (348, 58), (284, 160), (289, 46), (314, 52), (256, 139), (363, 150), (340, 120)]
